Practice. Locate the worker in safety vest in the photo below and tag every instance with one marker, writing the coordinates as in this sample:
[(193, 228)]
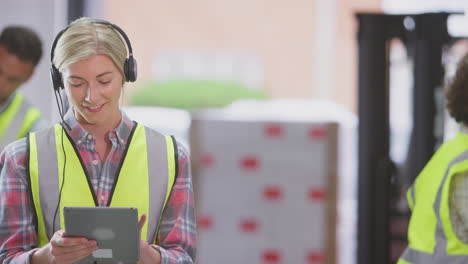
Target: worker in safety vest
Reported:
[(438, 228), (20, 52)]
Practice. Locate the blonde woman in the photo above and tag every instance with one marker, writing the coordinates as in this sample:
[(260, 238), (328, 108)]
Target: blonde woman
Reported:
[(97, 156)]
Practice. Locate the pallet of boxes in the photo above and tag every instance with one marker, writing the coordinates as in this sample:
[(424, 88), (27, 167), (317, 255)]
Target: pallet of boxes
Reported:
[(265, 188)]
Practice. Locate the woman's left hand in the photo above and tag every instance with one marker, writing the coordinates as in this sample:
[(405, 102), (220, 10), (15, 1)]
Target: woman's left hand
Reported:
[(148, 254)]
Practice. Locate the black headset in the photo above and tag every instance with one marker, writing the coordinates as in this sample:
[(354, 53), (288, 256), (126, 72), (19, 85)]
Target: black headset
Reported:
[(130, 65)]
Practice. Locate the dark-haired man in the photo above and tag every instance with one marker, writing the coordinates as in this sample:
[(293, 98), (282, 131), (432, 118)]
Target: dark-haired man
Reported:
[(20, 52)]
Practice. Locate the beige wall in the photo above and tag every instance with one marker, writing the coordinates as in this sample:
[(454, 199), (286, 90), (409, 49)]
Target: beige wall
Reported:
[(347, 56), (282, 33)]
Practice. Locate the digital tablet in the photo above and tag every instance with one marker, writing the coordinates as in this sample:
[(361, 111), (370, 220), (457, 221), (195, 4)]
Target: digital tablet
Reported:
[(115, 230)]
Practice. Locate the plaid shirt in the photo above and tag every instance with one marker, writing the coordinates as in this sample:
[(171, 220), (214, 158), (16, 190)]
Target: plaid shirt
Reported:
[(18, 239)]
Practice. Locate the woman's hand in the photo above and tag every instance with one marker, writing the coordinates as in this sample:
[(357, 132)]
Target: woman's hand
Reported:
[(147, 253), (63, 250)]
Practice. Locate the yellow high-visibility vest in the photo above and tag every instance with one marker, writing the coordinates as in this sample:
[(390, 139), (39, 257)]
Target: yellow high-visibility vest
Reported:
[(430, 233), (17, 120), (145, 179)]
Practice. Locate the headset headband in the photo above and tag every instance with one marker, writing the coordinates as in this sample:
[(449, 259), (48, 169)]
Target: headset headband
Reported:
[(92, 21)]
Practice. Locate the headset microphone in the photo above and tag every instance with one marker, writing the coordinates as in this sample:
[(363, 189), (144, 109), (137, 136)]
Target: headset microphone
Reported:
[(58, 100)]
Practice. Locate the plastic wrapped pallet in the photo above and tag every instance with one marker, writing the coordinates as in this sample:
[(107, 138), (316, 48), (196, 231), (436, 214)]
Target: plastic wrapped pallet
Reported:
[(265, 178)]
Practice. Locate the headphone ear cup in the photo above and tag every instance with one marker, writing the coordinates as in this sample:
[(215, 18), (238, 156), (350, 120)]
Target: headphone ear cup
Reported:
[(56, 78), (130, 69)]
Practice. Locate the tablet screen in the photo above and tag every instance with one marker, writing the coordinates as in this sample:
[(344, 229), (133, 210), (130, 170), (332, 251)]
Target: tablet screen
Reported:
[(114, 228)]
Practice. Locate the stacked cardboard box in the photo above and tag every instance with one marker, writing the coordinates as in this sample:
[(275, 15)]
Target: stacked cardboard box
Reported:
[(265, 190)]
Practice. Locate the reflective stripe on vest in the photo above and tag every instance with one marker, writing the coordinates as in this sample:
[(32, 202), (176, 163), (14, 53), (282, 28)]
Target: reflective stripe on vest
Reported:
[(146, 175), (411, 256), (411, 197), (448, 248), (16, 120)]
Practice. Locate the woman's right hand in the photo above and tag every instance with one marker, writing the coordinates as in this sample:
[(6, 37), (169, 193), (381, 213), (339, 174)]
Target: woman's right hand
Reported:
[(64, 250)]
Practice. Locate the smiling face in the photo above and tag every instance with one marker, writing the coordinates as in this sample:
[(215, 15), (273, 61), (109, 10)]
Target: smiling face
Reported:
[(94, 85)]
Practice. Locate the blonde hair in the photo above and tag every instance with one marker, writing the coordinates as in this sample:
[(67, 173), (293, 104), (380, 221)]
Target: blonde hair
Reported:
[(84, 38)]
